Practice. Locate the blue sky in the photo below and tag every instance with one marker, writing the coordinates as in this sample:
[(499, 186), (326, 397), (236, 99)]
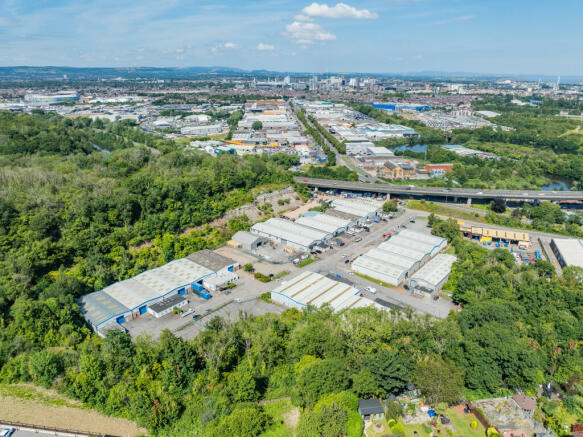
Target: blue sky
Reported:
[(486, 36)]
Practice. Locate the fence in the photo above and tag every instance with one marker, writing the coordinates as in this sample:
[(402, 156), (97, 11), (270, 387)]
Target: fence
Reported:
[(54, 431)]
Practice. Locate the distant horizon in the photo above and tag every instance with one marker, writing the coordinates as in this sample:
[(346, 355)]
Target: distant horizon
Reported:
[(223, 69)]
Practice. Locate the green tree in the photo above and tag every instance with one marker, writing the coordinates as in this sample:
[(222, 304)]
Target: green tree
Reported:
[(257, 125), (439, 381), (390, 206), (391, 369)]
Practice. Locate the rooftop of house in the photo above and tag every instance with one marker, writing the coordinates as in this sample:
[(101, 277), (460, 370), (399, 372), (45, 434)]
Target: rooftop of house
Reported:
[(370, 406), (525, 402)]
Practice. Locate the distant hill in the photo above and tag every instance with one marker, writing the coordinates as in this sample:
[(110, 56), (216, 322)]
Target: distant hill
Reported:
[(24, 73)]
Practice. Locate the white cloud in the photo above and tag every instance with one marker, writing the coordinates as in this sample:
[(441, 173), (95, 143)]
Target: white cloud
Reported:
[(454, 19), (265, 47), (306, 32), (179, 50), (224, 46), (418, 56), (340, 10)]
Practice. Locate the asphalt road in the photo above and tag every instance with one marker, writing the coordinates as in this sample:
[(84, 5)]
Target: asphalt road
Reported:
[(442, 192)]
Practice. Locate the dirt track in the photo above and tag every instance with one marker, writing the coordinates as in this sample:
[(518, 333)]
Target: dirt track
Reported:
[(41, 412)]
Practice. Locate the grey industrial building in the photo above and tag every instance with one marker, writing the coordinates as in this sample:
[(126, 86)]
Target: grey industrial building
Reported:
[(130, 298), (249, 241), (569, 251)]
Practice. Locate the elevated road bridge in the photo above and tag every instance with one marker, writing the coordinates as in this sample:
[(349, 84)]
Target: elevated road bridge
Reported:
[(438, 192)]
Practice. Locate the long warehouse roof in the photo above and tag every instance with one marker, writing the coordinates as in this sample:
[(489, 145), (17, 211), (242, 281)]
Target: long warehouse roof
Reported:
[(382, 267), (435, 270), (317, 224), (425, 238), (340, 222), (413, 244), (290, 231), (408, 251), (391, 258), (311, 288), (349, 209)]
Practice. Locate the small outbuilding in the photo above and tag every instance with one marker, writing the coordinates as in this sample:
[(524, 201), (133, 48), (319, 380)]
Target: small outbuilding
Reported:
[(371, 409), (166, 306)]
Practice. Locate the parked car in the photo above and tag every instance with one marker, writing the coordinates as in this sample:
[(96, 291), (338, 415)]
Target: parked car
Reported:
[(357, 239), (346, 261), (371, 290), (196, 316), (7, 432)]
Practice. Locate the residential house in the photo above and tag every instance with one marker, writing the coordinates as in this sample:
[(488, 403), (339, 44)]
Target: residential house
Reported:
[(526, 403)]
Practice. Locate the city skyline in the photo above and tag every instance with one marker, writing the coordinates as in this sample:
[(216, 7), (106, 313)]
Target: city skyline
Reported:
[(372, 36)]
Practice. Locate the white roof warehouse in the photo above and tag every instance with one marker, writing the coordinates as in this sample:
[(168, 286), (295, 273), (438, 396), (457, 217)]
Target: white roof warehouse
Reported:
[(431, 277), (290, 234), (395, 260), (311, 288)]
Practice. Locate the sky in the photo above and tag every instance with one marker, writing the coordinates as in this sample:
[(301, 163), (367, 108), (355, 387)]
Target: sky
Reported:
[(368, 36)]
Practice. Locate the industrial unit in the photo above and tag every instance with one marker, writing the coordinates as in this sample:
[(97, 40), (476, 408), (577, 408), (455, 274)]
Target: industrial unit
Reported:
[(569, 251), (488, 234), (291, 234), (380, 270), (130, 298), (247, 240), (324, 223), (311, 288), (358, 207), (431, 277), (395, 260)]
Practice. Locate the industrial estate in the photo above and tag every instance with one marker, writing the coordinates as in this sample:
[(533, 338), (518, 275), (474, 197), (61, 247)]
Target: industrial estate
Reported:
[(220, 251)]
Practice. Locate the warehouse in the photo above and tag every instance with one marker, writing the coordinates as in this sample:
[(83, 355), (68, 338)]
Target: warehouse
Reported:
[(322, 223), (130, 298), (488, 234), (426, 247), (166, 306), (380, 270), (352, 219), (419, 256), (357, 207), (437, 242), (569, 251), (392, 258), (290, 234), (311, 288), (248, 241), (433, 275), (213, 261)]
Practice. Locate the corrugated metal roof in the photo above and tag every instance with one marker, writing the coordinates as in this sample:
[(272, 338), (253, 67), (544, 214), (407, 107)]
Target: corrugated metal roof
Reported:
[(383, 268), (435, 270), (571, 250), (98, 307), (311, 288), (312, 222), (392, 258), (291, 231)]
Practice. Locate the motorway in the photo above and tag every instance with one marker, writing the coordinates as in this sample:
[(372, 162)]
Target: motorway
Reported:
[(469, 193)]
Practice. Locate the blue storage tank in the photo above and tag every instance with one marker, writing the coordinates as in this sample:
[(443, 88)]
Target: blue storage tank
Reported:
[(197, 287)]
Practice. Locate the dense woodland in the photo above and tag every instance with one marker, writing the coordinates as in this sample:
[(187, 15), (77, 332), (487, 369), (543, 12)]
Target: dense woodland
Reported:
[(73, 219)]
